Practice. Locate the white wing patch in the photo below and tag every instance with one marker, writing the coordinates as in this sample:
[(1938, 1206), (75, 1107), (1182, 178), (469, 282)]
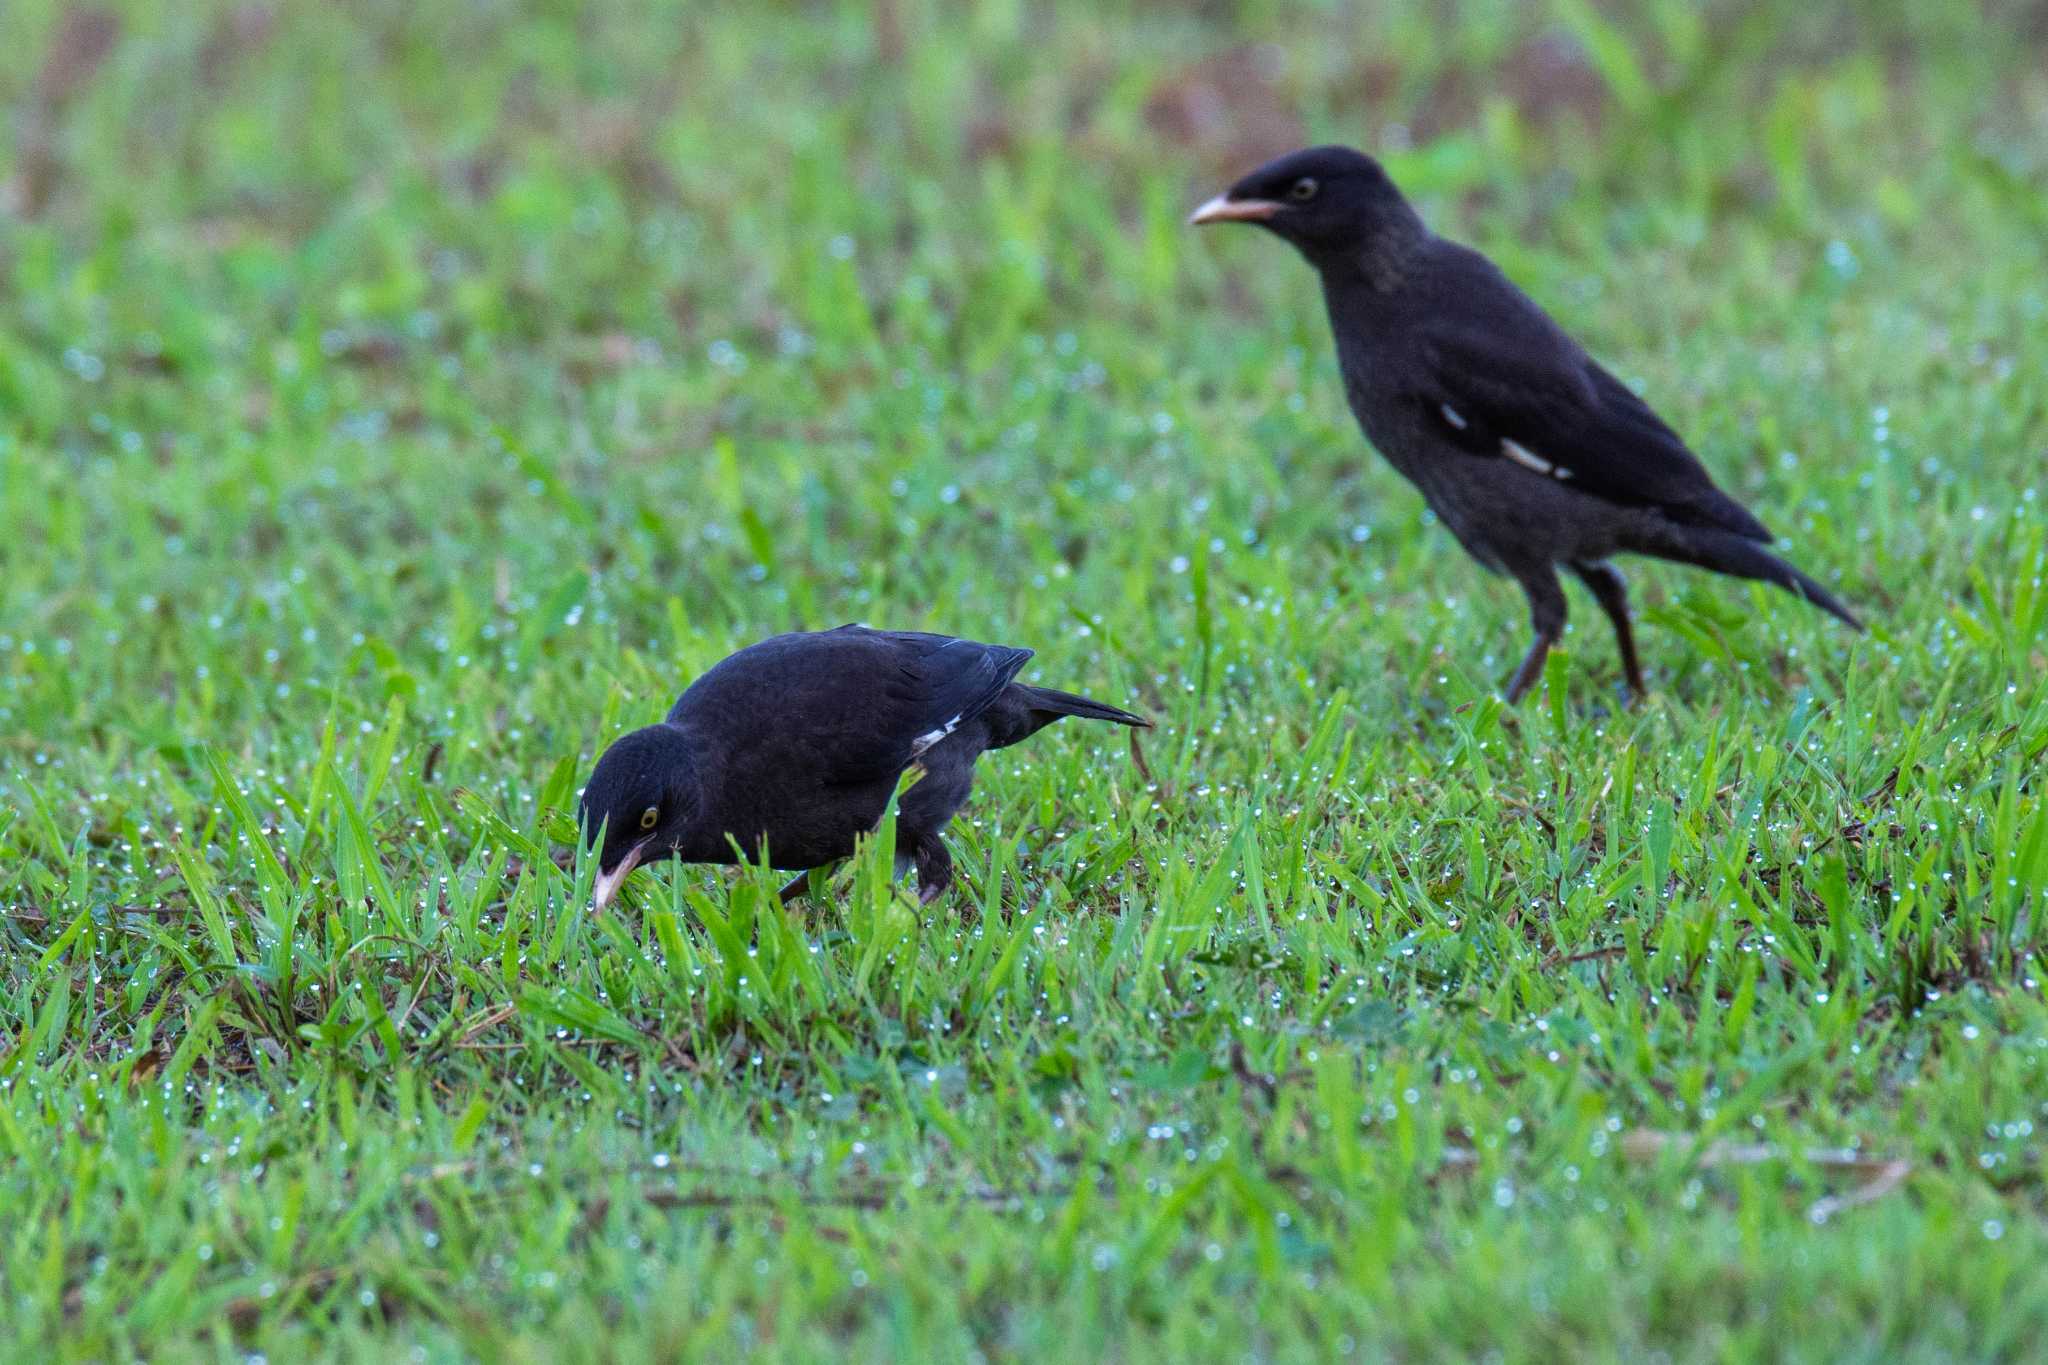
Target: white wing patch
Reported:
[(1453, 416), (1529, 459), (931, 737)]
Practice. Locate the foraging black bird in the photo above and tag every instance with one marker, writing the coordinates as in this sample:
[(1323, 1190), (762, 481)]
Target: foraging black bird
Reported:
[(1523, 445), (797, 743)]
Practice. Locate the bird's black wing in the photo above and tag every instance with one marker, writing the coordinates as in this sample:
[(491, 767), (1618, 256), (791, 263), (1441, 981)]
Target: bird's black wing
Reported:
[(848, 705), (925, 687), (1540, 401)]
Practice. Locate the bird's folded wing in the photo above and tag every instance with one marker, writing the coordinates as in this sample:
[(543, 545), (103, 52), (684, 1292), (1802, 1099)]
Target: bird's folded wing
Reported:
[(841, 706), (903, 693), (1557, 413)]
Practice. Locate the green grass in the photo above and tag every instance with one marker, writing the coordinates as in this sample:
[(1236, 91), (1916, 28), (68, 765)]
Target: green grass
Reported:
[(394, 408)]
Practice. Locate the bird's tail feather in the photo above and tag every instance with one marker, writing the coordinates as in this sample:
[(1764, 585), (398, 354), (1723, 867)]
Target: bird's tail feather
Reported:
[(1731, 554), (1055, 703)]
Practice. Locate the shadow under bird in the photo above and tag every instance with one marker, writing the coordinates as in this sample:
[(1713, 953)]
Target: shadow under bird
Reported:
[(795, 745), (1529, 451)]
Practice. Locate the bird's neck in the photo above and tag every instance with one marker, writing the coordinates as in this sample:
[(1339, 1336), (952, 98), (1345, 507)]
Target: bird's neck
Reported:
[(1383, 262), (704, 840), (695, 782)]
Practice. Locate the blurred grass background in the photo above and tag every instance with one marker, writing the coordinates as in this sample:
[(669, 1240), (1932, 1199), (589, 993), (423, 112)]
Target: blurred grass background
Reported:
[(396, 402)]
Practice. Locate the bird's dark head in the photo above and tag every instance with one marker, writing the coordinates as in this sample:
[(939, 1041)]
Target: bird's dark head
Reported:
[(638, 805), (1331, 202)]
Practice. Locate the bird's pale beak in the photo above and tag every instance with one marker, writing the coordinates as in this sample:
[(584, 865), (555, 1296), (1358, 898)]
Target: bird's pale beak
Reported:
[(1224, 209), (608, 883)]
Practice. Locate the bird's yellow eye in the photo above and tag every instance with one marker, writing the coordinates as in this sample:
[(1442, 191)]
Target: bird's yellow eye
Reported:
[(1304, 188), (650, 817)]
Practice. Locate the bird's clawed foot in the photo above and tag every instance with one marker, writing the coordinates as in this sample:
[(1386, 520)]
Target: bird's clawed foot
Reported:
[(934, 871), (934, 868), (1529, 670)]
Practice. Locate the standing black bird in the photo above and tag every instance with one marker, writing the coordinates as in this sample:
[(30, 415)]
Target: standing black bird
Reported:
[(796, 743), (1523, 445)]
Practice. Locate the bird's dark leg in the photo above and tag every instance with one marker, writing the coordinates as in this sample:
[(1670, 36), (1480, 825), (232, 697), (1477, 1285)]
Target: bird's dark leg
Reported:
[(1546, 614), (1525, 674), (796, 887), (1610, 590), (934, 867)]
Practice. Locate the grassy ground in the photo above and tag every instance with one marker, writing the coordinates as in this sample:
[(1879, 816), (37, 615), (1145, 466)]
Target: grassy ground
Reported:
[(393, 408)]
